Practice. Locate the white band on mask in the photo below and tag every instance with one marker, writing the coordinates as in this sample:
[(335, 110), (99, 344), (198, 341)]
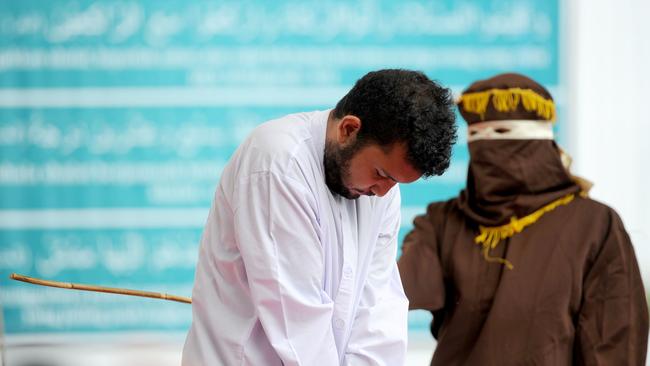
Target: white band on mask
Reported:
[(510, 130)]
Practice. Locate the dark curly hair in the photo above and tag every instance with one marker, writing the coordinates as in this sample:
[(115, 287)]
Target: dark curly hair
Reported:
[(397, 105)]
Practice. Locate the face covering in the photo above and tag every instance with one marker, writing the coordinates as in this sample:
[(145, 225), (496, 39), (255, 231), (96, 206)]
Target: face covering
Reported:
[(509, 178)]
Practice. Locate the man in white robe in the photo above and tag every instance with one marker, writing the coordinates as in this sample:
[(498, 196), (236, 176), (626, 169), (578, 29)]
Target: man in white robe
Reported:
[(297, 259)]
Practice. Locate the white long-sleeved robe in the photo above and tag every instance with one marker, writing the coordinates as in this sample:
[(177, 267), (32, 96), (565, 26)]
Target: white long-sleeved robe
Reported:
[(289, 273)]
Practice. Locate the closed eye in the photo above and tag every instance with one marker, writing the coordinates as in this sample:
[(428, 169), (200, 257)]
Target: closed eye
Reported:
[(384, 175)]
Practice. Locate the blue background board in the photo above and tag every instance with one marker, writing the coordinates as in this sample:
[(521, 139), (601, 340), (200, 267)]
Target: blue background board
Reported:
[(117, 117)]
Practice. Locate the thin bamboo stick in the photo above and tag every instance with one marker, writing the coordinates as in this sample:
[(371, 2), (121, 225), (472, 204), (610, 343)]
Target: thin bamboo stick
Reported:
[(120, 291)]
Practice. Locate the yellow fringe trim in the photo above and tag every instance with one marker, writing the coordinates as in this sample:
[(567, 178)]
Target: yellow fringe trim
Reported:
[(507, 100), (490, 237)]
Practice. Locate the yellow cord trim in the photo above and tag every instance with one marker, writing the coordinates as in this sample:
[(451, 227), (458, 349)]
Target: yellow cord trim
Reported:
[(490, 237), (507, 100)]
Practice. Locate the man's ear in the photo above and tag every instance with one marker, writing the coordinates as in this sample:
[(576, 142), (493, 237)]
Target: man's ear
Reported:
[(348, 128)]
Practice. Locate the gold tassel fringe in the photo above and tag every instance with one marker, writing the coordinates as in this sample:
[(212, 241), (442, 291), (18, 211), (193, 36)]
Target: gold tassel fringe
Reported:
[(490, 237), (507, 100)]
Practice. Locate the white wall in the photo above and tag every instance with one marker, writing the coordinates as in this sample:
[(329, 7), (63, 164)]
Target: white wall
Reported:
[(608, 58)]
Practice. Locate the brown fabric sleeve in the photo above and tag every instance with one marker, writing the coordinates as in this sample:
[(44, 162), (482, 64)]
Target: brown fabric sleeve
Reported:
[(612, 325), (419, 267)]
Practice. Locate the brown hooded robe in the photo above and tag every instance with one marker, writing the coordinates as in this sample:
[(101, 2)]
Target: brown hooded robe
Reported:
[(574, 296)]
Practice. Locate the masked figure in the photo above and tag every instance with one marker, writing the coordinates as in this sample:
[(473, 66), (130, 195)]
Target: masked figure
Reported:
[(522, 268)]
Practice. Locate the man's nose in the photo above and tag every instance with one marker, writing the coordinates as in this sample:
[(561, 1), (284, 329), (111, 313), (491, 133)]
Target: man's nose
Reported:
[(381, 188)]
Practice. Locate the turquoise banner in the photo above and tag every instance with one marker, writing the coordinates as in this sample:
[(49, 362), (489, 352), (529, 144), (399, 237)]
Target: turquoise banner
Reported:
[(117, 117)]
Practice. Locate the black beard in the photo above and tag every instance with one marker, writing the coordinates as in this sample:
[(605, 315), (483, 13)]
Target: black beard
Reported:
[(337, 168)]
